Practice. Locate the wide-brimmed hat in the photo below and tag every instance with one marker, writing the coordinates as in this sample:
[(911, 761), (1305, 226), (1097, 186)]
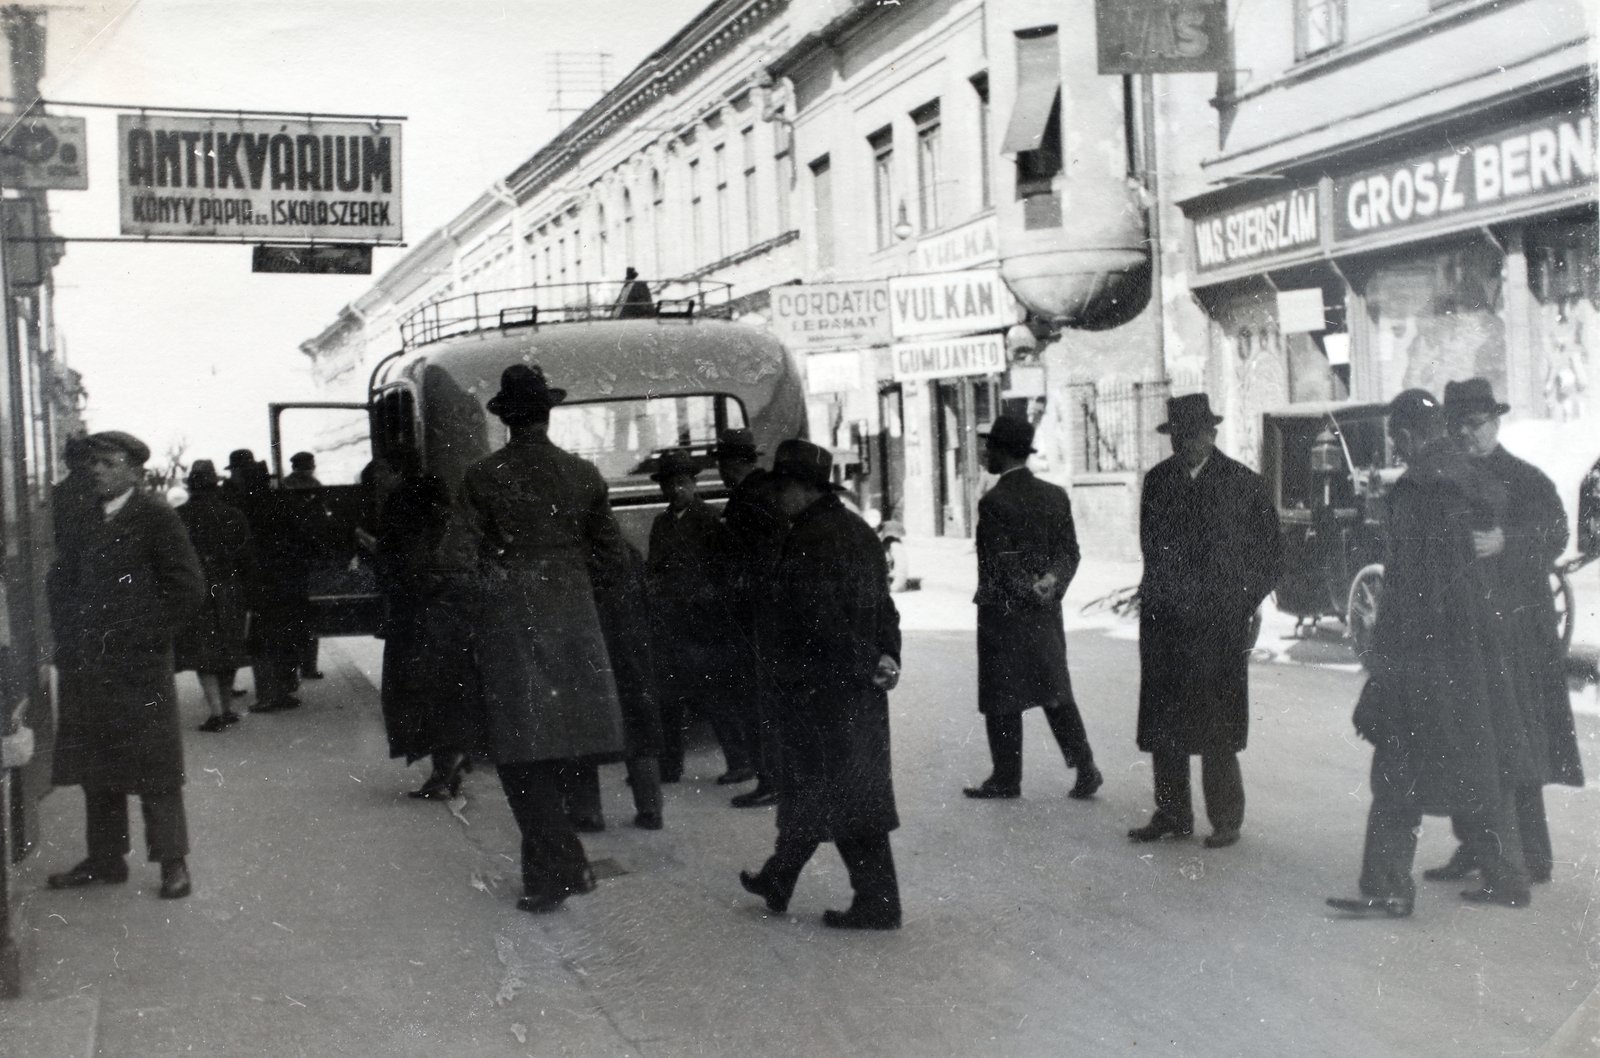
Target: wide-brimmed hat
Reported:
[(1413, 406), (1011, 435), (117, 441), (674, 464), (523, 389), (202, 475), (737, 443), (1189, 414), (806, 463), (241, 457), (1472, 397)]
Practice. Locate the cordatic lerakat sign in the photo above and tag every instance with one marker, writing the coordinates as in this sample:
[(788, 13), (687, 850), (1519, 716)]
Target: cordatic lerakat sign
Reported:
[(259, 178), (832, 315), (1521, 166), (1162, 36), (45, 154)]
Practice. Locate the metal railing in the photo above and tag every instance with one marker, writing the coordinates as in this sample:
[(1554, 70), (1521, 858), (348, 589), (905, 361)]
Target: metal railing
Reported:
[(1114, 426), (562, 303)]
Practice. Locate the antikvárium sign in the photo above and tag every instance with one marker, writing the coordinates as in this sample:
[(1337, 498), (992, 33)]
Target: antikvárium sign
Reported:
[(831, 315), (1527, 166), (255, 178)]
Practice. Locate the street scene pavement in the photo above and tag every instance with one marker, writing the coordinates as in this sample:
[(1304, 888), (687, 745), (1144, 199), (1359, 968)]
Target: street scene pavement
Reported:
[(334, 916)]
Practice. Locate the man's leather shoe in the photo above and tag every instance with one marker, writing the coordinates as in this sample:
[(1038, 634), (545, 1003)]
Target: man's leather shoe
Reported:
[(541, 903), (1221, 839), (990, 790), (1159, 827), (1089, 780), (1393, 906), (214, 724), (1498, 894), (758, 884), (90, 872), (1461, 864), (314, 674), (856, 918), (757, 798), (735, 776), (175, 883), (648, 821)]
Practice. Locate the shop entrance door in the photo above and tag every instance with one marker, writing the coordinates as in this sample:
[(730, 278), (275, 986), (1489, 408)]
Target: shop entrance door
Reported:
[(961, 406), (889, 462)]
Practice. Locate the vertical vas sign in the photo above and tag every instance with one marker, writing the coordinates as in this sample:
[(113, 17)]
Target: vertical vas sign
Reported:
[(1162, 36), (272, 180)]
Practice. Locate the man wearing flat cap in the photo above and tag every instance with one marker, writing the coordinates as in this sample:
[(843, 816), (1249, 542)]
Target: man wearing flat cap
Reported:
[(756, 526), (688, 544), (1209, 535), (545, 529), (837, 656), (1027, 555), (119, 591)]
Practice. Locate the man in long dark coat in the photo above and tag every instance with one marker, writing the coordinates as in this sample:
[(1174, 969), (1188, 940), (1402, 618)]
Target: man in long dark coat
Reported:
[(549, 695), (212, 643), (756, 527), (837, 657), (1027, 555), (1447, 739), (1524, 531), (690, 612), (1209, 535), (117, 597)]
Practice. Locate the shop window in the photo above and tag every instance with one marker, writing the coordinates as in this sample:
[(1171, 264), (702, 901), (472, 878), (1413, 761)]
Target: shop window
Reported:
[(822, 210), (882, 144), (1318, 26), (1564, 274), (1034, 134), (927, 121), (1438, 316)]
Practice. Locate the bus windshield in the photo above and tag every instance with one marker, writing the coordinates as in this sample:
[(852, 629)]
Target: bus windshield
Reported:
[(622, 436)]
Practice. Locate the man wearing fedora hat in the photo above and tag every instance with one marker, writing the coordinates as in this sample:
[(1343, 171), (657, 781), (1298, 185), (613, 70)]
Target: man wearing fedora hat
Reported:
[(212, 643), (1519, 529), (687, 547), (756, 526), (544, 523), (118, 595), (837, 655), (1209, 535), (1027, 555)]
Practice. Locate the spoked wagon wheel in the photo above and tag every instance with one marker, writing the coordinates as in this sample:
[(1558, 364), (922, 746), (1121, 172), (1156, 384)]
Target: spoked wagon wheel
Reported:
[(1361, 616), (1566, 604)]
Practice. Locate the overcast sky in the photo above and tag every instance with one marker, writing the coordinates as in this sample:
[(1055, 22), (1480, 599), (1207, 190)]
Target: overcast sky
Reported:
[(184, 343)]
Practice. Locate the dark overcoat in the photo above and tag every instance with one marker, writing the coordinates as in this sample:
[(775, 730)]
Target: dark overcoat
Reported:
[(213, 639), (689, 605), (1211, 554), (753, 543), (1025, 531), (545, 522), (835, 619), (1436, 706), (624, 603), (427, 569), (116, 601)]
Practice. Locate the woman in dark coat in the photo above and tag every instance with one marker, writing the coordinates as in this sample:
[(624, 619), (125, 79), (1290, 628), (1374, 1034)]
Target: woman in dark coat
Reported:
[(431, 692), (212, 643), (837, 655)]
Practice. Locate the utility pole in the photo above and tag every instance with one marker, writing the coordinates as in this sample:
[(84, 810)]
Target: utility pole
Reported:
[(1151, 178)]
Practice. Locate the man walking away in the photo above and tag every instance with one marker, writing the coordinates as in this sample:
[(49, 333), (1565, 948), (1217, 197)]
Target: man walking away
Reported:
[(1027, 555), (549, 696), (118, 595), (1209, 535), (838, 656), (756, 527), (687, 604)]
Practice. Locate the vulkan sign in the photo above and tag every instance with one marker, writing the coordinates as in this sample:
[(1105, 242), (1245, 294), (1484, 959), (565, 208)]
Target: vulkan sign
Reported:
[(950, 303), (1162, 36), (222, 176)]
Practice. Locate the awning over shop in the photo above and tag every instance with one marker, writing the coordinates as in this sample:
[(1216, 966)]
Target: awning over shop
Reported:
[(1038, 90)]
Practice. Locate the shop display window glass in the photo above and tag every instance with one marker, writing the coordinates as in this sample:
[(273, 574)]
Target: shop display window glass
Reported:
[(1564, 274), (1438, 317)]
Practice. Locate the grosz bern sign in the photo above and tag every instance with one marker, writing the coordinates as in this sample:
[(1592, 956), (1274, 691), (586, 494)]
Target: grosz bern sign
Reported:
[(272, 179)]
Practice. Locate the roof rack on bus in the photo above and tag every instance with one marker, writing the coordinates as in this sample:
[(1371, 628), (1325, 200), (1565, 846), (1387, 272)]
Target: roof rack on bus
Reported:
[(549, 303)]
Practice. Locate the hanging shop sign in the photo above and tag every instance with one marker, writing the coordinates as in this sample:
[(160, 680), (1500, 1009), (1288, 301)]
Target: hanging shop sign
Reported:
[(45, 154), (831, 315), (1519, 169), (950, 303), (259, 178), (1301, 311), (1262, 230), (1162, 36), (983, 354), (972, 244)]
